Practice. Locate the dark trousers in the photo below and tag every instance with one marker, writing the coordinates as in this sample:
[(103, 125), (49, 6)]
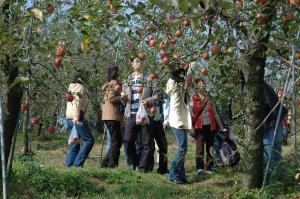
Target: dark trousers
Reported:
[(112, 157), (204, 135), (146, 138), (161, 140)]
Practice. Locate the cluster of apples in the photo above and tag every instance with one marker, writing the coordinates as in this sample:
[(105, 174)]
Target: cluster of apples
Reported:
[(60, 53)]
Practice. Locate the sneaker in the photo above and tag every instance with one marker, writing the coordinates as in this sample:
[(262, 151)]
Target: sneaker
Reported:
[(200, 171)]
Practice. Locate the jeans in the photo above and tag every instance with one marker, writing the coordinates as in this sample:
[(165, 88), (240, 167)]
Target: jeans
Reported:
[(177, 170), (76, 154), (267, 141)]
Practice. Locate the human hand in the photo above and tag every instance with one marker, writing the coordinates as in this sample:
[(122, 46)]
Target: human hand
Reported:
[(145, 102)]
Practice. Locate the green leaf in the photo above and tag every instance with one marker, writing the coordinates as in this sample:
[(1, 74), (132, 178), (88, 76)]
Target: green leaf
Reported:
[(183, 5)]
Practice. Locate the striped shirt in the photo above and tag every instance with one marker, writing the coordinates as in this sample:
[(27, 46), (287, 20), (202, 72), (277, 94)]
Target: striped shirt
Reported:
[(136, 82)]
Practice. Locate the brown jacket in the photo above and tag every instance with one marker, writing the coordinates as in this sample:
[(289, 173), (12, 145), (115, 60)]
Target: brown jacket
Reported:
[(112, 100)]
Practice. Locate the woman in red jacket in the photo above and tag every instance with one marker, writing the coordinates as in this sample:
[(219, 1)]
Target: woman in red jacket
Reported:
[(205, 121)]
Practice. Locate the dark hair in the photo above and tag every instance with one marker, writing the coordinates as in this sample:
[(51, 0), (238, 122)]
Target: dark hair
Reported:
[(77, 77), (176, 73), (112, 73)]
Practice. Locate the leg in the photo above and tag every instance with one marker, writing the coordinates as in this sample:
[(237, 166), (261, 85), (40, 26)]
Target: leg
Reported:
[(209, 139), (161, 140), (199, 149), (177, 171), (131, 130), (147, 157), (73, 148), (104, 162), (116, 138), (88, 142)]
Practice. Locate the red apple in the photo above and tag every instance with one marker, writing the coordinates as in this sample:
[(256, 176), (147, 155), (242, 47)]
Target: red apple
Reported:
[(153, 76), (216, 49), (173, 41), (118, 88), (25, 106), (151, 36), (261, 18), (162, 54), (288, 17), (166, 60), (295, 3), (34, 121), (50, 9), (57, 62), (153, 110), (60, 51), (128, 44), (205, 56), (262, 2), (51, 129), (186, 67), (239, 4), (189, 81), (152, 42), (179, 33), (186, 23), (176, 56), (69, 97), (298, 102), (141, 56), (203, 70)]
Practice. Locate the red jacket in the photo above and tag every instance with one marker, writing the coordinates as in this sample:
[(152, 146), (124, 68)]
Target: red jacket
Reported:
[(197, 104)]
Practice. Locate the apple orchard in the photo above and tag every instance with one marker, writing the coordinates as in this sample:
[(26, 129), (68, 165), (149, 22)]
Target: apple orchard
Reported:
[(229, 43)]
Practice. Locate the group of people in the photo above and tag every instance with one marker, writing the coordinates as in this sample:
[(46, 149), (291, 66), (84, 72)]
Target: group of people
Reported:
[(172, 106)]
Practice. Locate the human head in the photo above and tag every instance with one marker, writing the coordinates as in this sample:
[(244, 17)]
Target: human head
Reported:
[(112, 73), (201, 85), (136, 64), (176, 73), (280, 93), (78, 77)]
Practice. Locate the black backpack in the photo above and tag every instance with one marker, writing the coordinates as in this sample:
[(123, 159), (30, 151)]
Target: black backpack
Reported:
[(226, 149)]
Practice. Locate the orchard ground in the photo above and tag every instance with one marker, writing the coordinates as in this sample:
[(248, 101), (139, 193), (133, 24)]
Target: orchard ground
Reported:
[(44, 175)]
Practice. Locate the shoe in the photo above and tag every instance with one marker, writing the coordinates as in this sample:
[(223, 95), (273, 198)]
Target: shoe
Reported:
[(207, 172), (200, 171), (180, 182)]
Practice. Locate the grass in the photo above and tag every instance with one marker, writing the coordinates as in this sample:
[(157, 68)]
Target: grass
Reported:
[(44, 175)]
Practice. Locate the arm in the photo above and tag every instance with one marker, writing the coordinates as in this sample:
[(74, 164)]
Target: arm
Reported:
[(77, 102), (156, 96)]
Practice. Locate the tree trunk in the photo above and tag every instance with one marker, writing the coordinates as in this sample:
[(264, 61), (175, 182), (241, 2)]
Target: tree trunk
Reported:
[(12, 97), (254, 77)]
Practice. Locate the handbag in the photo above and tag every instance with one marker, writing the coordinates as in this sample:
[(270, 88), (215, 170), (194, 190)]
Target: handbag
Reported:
[(192, 133)]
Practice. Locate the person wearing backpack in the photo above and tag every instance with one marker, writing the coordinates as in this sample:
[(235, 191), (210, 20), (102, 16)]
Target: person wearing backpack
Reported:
[(205, 121), (112, 117), (76, 120)]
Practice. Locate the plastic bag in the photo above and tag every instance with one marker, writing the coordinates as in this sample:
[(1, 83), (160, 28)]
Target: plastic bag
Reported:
[(74, 137), (142, 116)]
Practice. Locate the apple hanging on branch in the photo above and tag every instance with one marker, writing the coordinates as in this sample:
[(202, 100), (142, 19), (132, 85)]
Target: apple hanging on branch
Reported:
[(60, 51), (215, 49), (153, 76), (57, 62), (50, 9), (34, 121), (51, 129), (69, 97), (25, 106)]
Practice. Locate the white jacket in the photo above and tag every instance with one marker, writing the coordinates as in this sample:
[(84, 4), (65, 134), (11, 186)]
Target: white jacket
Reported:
[(179, 114)]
